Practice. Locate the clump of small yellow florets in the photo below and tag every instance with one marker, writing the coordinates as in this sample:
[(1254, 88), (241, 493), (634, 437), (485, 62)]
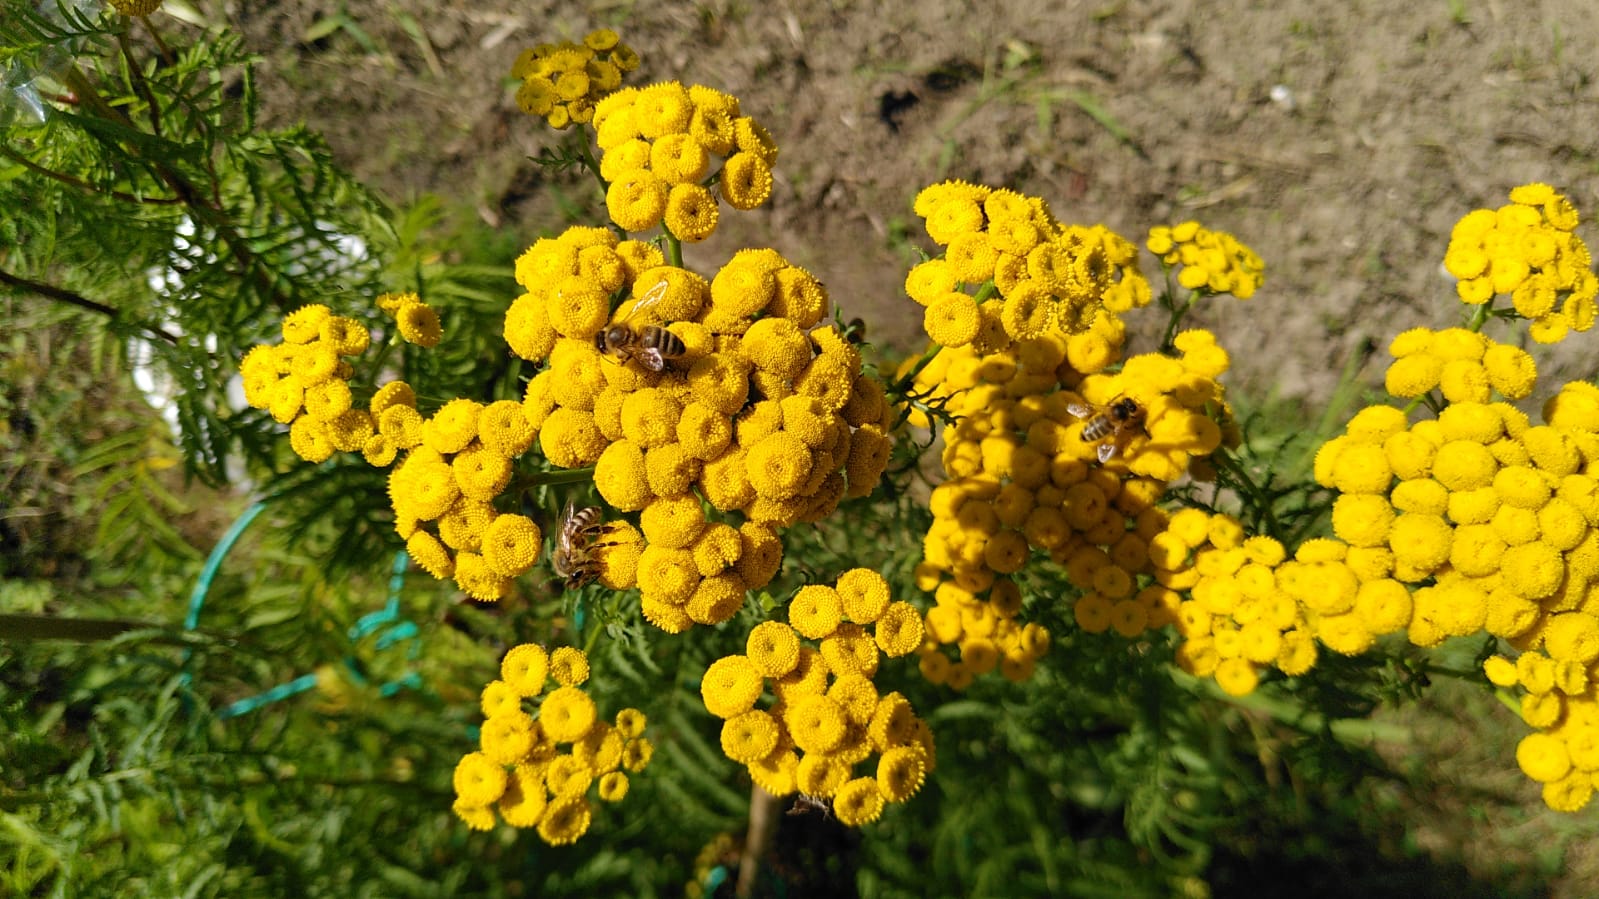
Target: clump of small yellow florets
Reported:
[(1498, 519), (1032, 275), (305, 384), (1527, 249), (1240, 605), (1464, 366), (828, 717), (1500, 514), (520, 770), (563, 82), (416, 321), (1208, 261), (1560, 703), (765, 418), (660, 146), (1022, 478), (456, 462)]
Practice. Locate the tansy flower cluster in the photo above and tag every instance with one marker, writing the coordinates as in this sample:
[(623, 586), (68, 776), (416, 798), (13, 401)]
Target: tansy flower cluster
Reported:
[(1562, 753), (827, 717), (1464, 366), (416, 321), (1239, 605), (520, 770), (757, 416), (563, 82), (1208, 261), (1526, 249), (1023, 478), (658, 144), (1496, 518), (305, 384), (1047, 276)]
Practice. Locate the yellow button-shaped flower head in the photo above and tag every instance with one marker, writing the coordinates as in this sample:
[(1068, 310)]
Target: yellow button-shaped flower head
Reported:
[(816, 723), (1412, 376), (478, 780), (1543, 757), (570, 439), (1420, 541), (636, 201), (566, 714), (650, 417), (720, 381), (524, 669), (746, 180), (774, 648), (749, 737), (1362, 519), (1551, 450), (1511, 371), (779, 465), (1464, 465), (730, 686), (816, 611), (1572, 637), (511, 544), (864, 593), (673, 521), (1533, 570), (1361, 468)]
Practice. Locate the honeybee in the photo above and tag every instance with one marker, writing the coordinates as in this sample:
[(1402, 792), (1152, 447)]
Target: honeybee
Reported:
[(652, 345), (1109, 424), (574, 558), (804, 803)]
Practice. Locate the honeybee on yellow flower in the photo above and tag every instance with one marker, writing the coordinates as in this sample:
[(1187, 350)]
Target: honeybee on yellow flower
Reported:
[(652, 345), (1110, 424), (574, 557)]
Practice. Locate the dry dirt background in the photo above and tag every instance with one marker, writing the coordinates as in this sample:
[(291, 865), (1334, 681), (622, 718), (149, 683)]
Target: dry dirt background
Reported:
[(1340, 140)]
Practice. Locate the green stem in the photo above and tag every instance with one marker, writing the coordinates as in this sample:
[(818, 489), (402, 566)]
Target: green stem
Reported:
[(136, 77), (84, 186), (551, 479), (1178, 312), (1480, 316), (593, 166), (674, 248), (988, 289), (70, 298), (78, 630)]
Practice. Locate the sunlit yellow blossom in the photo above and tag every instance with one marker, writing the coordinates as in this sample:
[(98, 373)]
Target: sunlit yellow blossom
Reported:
[(524, 669), (815, 611), (730, 686), (749, 736), (565, 820), (746, 180), (570, 439), (566, 714), (773, 647)]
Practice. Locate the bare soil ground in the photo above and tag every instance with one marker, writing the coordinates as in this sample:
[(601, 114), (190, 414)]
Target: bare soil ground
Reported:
[(1341, 141)]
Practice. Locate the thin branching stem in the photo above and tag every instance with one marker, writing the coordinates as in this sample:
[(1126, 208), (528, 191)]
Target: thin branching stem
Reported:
[(82, 185), (82, 302)]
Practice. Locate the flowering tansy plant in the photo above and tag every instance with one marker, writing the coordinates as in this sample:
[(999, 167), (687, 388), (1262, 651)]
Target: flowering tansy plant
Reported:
[(713, 410)]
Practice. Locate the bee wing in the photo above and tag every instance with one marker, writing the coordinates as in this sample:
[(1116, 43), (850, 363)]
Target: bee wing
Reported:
[(1081, 410), (1107, 451), (650, 298)]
